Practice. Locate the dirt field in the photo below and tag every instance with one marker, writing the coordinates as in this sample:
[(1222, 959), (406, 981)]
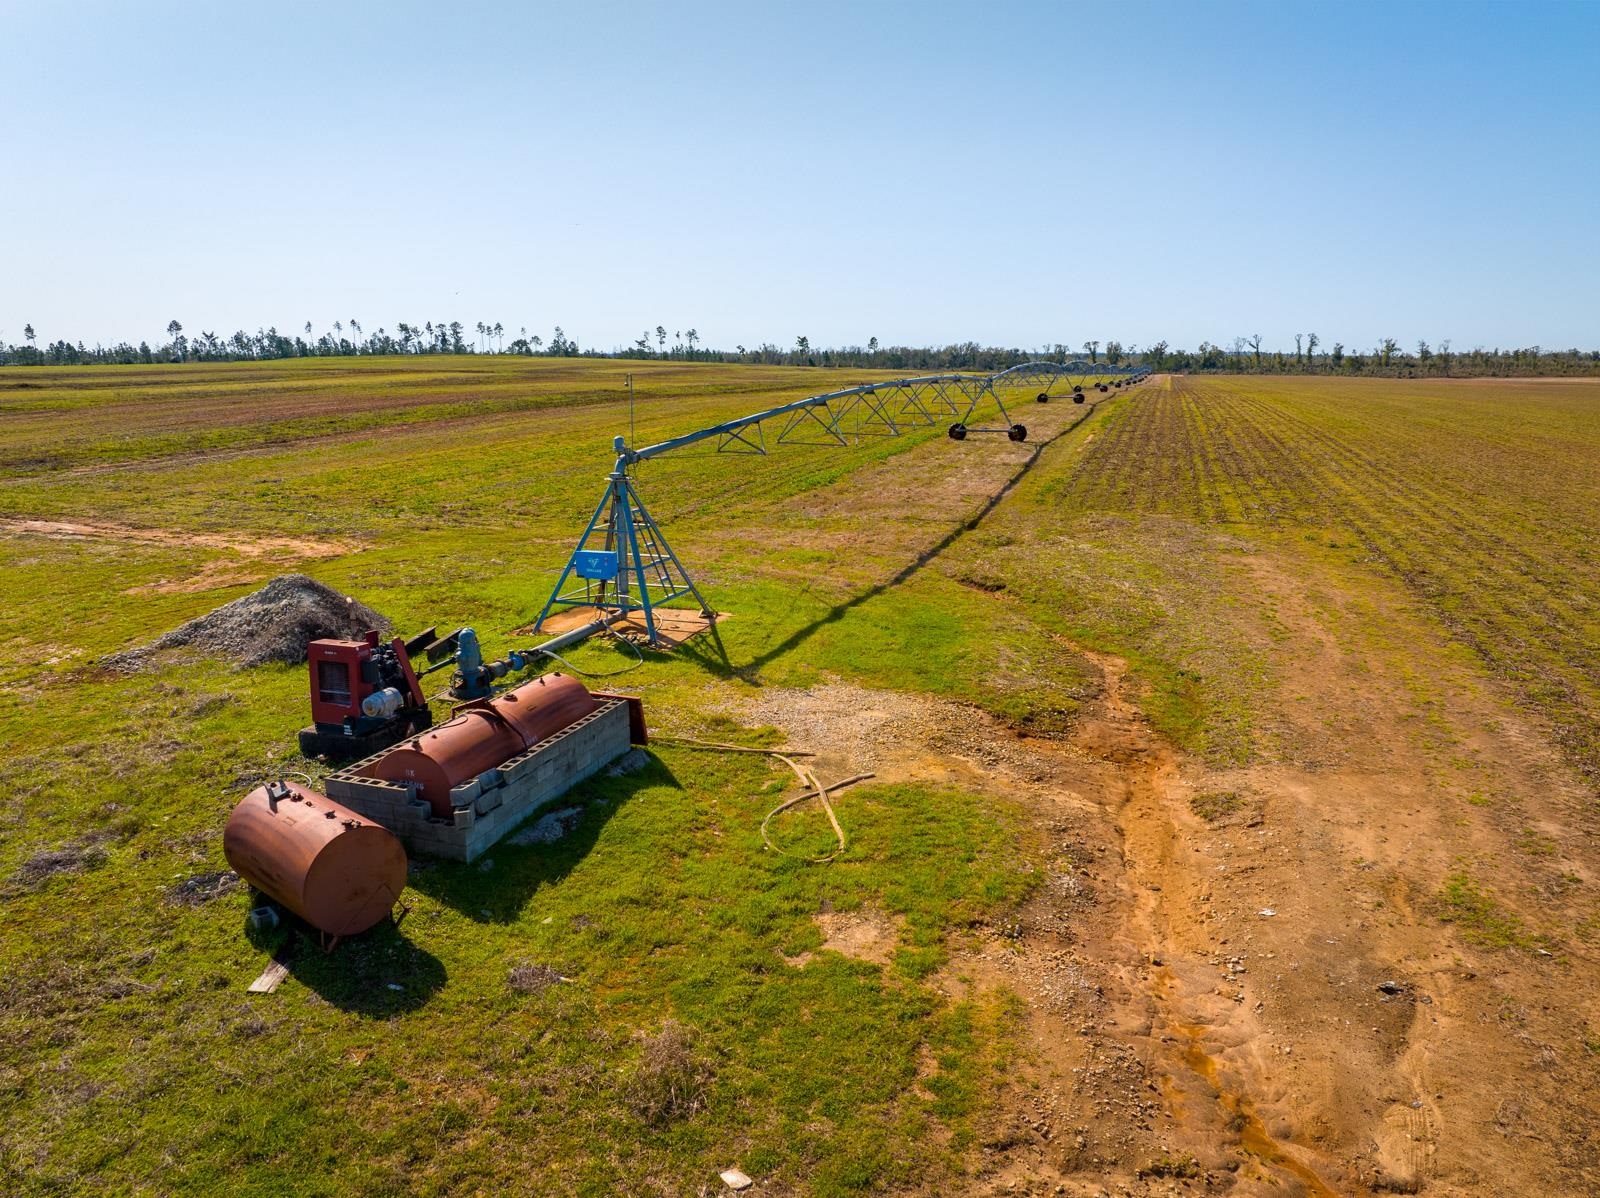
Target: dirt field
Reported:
[(1238, 979), (1231, 829)]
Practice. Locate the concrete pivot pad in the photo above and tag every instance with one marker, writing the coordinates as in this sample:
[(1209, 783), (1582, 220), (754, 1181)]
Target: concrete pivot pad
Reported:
[(673, 625)]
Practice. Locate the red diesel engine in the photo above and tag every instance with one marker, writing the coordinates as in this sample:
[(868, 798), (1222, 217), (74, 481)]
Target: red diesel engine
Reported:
[(364, 697)]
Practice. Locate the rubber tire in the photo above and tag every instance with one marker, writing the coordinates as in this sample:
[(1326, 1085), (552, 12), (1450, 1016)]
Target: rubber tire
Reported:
[(958, 431), (1042, 397), (1077, 397), (1018, 432)]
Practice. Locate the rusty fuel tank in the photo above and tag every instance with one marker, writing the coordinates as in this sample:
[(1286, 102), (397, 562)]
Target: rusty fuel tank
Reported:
[(481, 736), (338, 871)]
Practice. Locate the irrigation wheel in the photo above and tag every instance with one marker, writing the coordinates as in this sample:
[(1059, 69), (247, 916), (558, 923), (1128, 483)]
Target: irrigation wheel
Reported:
[(958, 431), (1018, 432)]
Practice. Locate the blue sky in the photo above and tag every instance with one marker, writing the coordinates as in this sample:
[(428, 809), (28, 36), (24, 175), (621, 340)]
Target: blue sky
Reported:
[(1016, 174)]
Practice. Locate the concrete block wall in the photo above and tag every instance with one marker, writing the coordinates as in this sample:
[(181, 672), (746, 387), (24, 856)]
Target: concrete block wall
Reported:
[(489, 807)]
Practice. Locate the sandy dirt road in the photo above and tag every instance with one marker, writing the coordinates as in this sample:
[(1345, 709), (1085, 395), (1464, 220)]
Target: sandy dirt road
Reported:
[(1240, 982)]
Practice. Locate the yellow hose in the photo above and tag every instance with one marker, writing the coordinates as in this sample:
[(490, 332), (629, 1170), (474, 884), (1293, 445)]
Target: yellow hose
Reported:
[(807, 778)]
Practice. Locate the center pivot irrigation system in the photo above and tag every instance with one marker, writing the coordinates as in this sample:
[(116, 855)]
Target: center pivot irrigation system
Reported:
[(622, 562), (336, 857)]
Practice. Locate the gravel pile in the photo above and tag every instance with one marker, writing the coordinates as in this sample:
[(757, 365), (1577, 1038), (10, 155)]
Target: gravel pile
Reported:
[(272, 624)]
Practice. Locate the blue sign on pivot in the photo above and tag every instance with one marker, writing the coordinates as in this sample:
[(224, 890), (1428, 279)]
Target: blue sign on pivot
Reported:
[(598, 565)]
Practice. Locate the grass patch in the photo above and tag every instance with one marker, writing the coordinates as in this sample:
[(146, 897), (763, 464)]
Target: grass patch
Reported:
[(1217, 806), (1480, 916)]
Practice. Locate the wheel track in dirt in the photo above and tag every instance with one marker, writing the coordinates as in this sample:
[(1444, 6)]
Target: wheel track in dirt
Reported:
[(1178, 1044), (1209, 474)]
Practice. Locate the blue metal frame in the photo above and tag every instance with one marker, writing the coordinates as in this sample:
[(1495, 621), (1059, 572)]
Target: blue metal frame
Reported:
[(646, 578)]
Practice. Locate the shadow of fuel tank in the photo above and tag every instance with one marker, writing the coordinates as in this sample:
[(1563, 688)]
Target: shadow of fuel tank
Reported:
[(376, 974), (516, 872)]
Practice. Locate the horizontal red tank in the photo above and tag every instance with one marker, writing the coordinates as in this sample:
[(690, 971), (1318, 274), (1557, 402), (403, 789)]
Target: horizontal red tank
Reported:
[(482, 736), (337, 870)]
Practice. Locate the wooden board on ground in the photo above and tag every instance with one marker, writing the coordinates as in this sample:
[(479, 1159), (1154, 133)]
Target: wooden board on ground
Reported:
[(275, 972), (674, 626)]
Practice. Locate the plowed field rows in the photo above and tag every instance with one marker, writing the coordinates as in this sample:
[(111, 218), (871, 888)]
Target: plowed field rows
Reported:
[(1485, 500)]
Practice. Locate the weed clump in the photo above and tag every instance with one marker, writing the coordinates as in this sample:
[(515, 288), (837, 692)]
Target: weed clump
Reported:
[(530, 978), (78, 856), (670, 1081), (981, 580), (200, 889), (1172, 1165), (1214, 806)]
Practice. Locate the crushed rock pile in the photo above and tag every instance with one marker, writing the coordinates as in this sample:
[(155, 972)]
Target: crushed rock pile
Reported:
[(272, 624)]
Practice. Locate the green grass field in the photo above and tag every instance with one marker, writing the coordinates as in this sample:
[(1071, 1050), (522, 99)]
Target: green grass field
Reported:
[(406, 1062)]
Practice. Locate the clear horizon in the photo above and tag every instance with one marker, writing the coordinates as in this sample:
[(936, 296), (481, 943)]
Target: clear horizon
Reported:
[(1019, 175)]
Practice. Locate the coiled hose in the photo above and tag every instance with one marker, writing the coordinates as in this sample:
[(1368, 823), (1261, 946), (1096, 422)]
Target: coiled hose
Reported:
[(816, 790)]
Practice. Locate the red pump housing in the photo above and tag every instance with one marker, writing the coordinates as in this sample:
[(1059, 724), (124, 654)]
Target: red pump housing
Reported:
[(339, 683)]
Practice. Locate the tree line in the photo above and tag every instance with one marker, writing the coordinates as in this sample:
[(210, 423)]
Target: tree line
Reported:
[(1388, 358), (1244, 355), (341, 339)]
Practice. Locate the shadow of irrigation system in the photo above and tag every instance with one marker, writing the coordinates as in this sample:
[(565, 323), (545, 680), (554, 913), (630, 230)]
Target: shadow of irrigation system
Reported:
[(912, 568)]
